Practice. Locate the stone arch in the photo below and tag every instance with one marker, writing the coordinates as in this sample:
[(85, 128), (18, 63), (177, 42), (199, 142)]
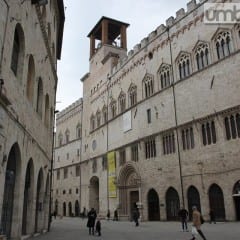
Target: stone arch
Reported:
[(94, 193), (236, 198), (216, 201), (11, 191), (30, 78), (153, 205), (129, 183), (172, 204), (28, 198), (193, 200), (39, 201)]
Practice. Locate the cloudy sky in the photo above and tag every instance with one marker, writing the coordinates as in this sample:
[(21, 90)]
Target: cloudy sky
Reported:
[(144, 16)]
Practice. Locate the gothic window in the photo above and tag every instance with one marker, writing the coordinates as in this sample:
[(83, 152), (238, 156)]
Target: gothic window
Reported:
[(169, 144), (232, 126), (104, 162), (30, 79), (202, 55), (184, 66), (134, 152), (223, 42), (132, 95), (187, 138), (67, 136), (98, 115), (148, 85), (209, 133), (92, 123), (104, 114), (60, 140), (113, 108), (39, 97), (150, 148), (122, 157), (122, 102), (77, 171), (78, 130), (47, 111), (165, 75), (65, 173)]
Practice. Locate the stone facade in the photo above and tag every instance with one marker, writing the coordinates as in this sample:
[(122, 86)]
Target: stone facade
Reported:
[(30, 43), (172, 105), (66, 193)]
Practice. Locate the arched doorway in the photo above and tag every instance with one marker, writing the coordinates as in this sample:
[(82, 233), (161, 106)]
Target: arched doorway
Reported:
[(28, 198), (64, 209), (193, 200), (77, 209), (129, 183), (216, 202), (46, 203), (153, 206), (11, 188), (172, 204), (94, 193), (236, 198), (70, 209), (39, 201)]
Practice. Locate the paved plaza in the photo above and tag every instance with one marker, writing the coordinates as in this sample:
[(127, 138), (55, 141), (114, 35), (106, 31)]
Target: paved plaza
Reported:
[(75, 228)]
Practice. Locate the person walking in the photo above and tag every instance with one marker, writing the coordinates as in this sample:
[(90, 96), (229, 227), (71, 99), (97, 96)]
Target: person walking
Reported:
[(98, 227), (212, 216), (197, 223), (92, 215), (108, 215), (115, 215), (136, 216), (183, 215)]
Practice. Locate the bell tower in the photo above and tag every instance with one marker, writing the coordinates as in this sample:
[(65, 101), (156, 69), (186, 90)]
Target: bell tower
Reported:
[(108, 32)]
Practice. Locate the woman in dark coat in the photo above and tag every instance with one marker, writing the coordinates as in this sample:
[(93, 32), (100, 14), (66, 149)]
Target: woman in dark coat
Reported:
[(91, 221)]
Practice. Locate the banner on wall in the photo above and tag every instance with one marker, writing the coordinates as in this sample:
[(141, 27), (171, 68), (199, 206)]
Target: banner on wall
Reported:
[(112, 188)]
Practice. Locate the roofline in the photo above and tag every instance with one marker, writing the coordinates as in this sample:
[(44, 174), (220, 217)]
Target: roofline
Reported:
[(106, 18), (61, 26)]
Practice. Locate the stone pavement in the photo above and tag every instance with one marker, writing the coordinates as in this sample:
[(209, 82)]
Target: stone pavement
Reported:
[(75, 228)]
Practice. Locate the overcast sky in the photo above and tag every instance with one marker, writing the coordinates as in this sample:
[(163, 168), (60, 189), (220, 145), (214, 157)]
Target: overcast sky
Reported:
[(144, 16)]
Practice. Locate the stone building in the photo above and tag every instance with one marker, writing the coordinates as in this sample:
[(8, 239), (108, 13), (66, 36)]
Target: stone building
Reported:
[(161, 124), (66, 192), (30, 42)]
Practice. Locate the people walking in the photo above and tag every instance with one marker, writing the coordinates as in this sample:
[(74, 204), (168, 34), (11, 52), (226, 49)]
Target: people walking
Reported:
[(115, 218), (91, 221), (197, 223), (212, 216), (136, 216), (98, 227), (183, 215)]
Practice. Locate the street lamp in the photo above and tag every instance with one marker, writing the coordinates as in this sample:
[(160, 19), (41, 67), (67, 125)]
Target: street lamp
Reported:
[(51, 175)]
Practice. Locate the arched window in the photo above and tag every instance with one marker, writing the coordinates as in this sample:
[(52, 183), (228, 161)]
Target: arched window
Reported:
[(92, 123), (183, 64), (132, 92), (104, 114), (232, 126), (60, 139), (47, 111), (202, 55), (98, 115), (209, 133), (78, 130), (18, 49), (30, 79), (148, 85), (165, 75), (122, 102), (67, 136), (223, 42), (39, 97), (113, 108)]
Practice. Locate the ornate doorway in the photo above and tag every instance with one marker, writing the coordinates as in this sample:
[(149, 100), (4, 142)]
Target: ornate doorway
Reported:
[(172, 204), (193, 200), (153, 206), (216, 202)]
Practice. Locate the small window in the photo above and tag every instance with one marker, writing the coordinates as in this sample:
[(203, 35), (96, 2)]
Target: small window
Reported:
[(169, 144), (150, 148), (149, 115), (122, 157), (209, 133)]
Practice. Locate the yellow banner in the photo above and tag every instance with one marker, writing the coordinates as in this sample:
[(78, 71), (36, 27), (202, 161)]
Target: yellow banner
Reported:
[(112, 189)]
